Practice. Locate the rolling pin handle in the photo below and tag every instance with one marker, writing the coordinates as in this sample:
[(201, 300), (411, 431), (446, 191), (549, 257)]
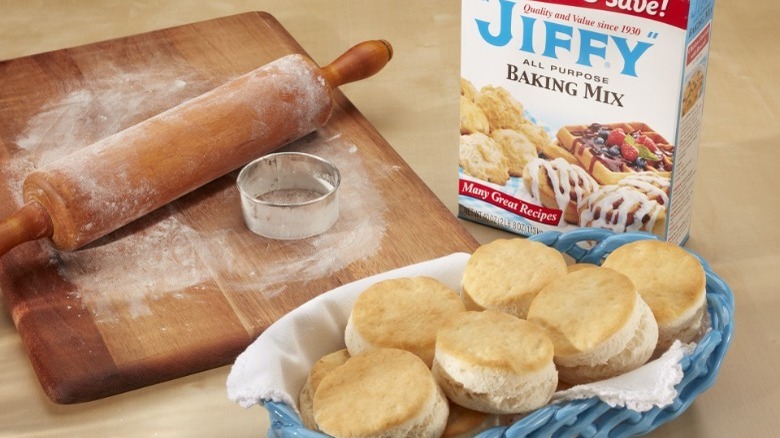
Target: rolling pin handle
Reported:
[(31, 222), (359, 62)]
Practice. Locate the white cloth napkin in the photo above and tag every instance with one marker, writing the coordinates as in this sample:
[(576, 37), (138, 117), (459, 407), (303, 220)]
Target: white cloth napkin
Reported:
[(275, 366), (641, 389)]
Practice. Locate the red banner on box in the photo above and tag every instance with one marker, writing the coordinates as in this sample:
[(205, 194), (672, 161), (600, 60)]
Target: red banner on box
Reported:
[(536, 213), (698, 44)]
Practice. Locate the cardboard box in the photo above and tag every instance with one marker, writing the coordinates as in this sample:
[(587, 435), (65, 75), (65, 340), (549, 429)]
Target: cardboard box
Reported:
[(582, 113)]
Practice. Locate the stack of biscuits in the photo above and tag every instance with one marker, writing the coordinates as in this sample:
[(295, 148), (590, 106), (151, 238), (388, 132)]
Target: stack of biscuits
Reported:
[(423, 360), (496, 140)]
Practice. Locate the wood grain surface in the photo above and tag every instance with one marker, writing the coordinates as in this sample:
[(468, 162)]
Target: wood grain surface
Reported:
[(187, 287)]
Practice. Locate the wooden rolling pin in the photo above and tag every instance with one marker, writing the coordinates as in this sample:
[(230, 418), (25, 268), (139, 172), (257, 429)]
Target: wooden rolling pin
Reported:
[(109, 184)]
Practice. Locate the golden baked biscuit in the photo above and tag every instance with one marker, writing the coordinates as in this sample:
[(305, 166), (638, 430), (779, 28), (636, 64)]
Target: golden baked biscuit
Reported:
[(381, 393), (671, 281), (559, 185), (516, 147), (502, 110), (506, 274), (472, 119), (402, 313), (481, 157), (320, 369), (598, 323), (496, 363)]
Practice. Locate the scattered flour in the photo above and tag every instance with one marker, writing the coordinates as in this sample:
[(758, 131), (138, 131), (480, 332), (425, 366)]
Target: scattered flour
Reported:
[(163, 255), (153, 261)]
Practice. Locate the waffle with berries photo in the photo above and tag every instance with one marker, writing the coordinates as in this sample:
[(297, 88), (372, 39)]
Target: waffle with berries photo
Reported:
[(611, 152)]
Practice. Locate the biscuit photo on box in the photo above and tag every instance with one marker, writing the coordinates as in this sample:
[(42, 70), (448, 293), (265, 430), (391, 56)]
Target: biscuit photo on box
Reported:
[(497, 140), (472, 118), (517, 148), (502, 110), (692, 91), (481, 157)]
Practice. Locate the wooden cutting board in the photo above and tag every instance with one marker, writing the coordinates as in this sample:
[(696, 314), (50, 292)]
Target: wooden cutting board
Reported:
[(187, 287)]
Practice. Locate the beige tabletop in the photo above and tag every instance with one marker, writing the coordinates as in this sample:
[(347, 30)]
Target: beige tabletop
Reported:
[(414, 106)]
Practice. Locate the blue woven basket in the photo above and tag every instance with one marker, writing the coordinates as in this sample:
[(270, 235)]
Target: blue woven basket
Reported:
[(592, 417)]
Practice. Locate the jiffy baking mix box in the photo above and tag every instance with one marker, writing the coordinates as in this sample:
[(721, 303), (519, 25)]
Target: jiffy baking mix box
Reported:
[(581, 113)]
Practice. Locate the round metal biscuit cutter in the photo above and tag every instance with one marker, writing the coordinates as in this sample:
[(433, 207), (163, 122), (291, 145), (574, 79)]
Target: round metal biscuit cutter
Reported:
[(289, 195)]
